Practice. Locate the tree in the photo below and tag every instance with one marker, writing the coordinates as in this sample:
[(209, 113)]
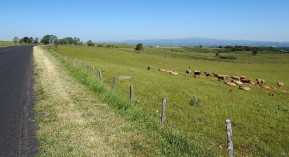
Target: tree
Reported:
[(201, 46), (53, 39), (15, 40), (90, 43), (36, 41), (139, 47), (26, 40), (49, 39), (45, 39), (76, 41), (30, 40)]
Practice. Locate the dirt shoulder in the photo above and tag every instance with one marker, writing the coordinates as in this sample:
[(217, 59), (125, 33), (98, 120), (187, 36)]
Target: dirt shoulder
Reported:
[(71, 120)]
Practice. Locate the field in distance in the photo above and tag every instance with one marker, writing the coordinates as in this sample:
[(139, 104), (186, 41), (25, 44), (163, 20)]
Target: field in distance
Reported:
[(199, 107), (6, 43)]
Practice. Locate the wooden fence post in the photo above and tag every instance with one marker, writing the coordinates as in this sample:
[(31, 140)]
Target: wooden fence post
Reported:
[(99, 75), (92, 72), (113, 83), (130, 93), (163, 110), (229, 138)]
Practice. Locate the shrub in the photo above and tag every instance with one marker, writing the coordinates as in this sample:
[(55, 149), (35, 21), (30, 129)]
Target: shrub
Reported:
[(195, 101), (254, 52), (139, 47), (90, 43), (228, 57)]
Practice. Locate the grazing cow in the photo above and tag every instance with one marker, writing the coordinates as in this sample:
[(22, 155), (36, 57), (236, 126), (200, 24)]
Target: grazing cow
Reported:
[(244, 88), (245, 80), (243, 77), (230, 84), (163, 70), (280, 84), (222, 77), (173, 73), (197, 74), (216, 74), (207, 73), (265, 87), (252, 83), (235, 78), (189, 71), (260, 81), (271, 94), (236, 82)]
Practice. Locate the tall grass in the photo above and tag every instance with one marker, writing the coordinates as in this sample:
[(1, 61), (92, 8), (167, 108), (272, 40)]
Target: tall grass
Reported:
[(172, 142)]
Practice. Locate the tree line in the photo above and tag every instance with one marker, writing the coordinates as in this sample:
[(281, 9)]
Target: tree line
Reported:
[(51, 39), (250, 48)]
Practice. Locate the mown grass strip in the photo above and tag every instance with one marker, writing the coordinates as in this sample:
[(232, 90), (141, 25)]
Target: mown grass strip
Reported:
[(172, 143)]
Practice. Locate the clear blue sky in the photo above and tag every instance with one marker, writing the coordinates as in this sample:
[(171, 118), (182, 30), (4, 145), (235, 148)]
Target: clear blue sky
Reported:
[(116, 20)]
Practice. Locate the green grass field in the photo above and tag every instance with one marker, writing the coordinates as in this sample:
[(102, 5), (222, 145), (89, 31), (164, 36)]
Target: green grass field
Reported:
[(260, 122), (6, 43)]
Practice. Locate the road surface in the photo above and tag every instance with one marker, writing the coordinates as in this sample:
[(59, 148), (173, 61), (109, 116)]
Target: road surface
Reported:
[(17, 131)]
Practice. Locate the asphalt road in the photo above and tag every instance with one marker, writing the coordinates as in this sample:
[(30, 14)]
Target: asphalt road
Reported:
[(17, 131)]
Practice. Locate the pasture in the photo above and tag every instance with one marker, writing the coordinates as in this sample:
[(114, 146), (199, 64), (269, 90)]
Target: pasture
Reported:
[(198, 108), (6, 43)]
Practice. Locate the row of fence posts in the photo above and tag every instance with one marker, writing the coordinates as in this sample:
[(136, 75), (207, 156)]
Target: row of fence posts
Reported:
[(164, 101)]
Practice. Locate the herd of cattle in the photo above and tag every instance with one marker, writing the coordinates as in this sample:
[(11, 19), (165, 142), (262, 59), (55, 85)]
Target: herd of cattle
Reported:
[(234, 80)]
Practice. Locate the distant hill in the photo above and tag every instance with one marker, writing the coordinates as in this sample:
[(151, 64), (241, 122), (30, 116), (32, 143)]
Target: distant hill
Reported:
[(206, 42)]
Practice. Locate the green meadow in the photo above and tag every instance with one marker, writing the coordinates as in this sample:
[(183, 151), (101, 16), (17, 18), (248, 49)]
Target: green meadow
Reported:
[(197, 108), (6, 43)]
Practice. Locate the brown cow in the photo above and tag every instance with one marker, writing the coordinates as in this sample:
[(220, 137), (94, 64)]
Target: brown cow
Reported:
[(246, 80), (265, 87), (244, 88), (280, 84), (216, 74), (222, 77), (235, 78), (230, 84), (236, 82), (260, 81)]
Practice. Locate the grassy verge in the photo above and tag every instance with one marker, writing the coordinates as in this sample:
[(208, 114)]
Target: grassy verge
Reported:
[(73, 122)]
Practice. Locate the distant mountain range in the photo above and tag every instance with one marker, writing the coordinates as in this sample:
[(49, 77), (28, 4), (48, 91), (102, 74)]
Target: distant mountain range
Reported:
[(206, 42)]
